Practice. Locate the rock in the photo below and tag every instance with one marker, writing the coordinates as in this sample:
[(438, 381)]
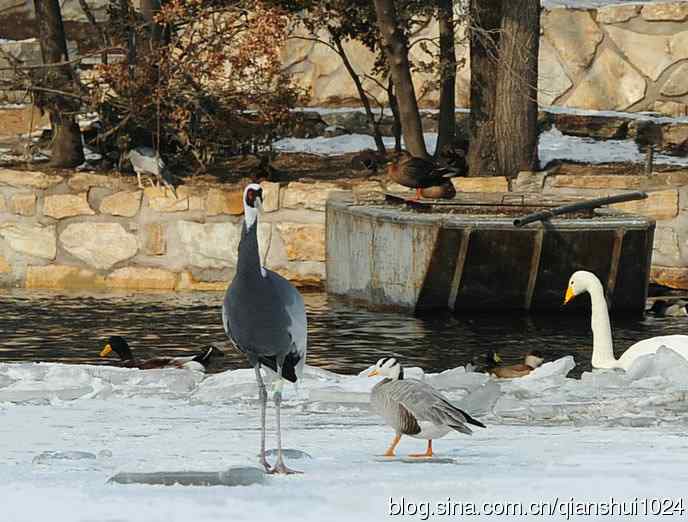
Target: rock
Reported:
[(61, 276), (210, 245), (652, 54), (303, 242), (224, 202), (676, 12), (676, 84), (671, 108), (27, 178), (141, 278), (675, 138), (486, 184), (60, 206), (595, 181), (196, 200), (552, 78), (271, 195), (306, 274), (353, 122), (24, 204), (665, 250), (100, 245), (154, 243), (600, 127), (5, 267), (188, 282), (660, 204), (82, 181), (616, 14), (33, 240), (122, 204), (309, 195), (673, 277), (161, 199), (611, 83), (575, 36), (527, 181)]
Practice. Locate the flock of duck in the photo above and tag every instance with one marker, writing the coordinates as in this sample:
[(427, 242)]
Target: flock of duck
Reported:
[(264, 317)]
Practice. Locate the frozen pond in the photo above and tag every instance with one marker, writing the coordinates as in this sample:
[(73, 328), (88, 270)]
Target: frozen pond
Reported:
[(551, 440)]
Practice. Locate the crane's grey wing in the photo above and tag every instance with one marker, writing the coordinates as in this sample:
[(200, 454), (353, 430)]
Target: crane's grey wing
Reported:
[(427, 405), (292, 301)]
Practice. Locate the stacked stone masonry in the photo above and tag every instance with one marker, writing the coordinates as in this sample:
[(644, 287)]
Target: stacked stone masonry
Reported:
[(102, 232)]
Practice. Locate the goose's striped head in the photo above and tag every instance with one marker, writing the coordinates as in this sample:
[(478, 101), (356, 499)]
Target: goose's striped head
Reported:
[(388, 367)]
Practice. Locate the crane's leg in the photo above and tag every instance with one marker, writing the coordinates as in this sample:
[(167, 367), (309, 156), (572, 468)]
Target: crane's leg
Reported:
[(263, 396), (138, 177), (428, 453), (280, 466), (392, 446)]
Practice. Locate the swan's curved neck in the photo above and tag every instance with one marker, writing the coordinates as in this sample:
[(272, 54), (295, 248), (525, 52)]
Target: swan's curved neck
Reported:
[(602, 343)]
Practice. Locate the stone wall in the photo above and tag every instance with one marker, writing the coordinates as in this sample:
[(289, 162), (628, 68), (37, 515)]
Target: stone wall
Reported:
[(93, 231), (102, 232), (618, 57)]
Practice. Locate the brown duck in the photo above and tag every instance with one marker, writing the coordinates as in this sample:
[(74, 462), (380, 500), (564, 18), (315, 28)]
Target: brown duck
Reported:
[(532, 360), (419, 173)]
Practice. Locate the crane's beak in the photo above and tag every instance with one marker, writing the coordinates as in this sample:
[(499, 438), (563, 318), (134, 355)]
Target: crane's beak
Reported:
[(106, 351), (374, 373), (569, 295)]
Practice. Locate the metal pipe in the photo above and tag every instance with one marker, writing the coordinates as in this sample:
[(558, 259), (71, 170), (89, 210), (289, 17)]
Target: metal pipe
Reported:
[(581, 205)]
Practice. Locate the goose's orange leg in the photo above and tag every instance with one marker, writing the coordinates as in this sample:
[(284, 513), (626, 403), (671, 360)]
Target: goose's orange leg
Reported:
[(428, 453), (418, 194), (392, 446)]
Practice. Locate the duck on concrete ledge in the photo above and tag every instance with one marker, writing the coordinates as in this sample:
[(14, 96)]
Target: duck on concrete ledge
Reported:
[(419, 173)]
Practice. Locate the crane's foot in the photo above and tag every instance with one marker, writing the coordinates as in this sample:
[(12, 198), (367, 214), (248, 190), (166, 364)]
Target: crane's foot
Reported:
[(282, 469), (266, 465)]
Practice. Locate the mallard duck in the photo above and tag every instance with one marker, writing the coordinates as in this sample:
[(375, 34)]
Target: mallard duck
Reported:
[(414, 408), (602, 344), (120, 346), (418, 173), (532, 360)]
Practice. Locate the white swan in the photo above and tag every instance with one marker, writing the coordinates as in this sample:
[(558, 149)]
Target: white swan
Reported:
[(602, 344)]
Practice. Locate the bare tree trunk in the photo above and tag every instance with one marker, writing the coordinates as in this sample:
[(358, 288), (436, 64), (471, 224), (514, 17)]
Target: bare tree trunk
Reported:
[(447, 124), (394, 106), (396, 52), (516, 107), (67, 149), (485, 23), (372, 121)]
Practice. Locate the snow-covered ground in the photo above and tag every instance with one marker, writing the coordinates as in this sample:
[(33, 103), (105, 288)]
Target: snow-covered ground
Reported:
[(552, 145), (549, 439)]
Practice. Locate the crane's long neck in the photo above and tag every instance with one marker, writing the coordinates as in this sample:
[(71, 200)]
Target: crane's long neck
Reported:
[(602, 343), (248, 263)]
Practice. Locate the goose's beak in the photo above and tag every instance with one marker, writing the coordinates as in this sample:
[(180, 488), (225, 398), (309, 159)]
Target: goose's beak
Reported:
[(374, 373), (569, 295), (106, 351)]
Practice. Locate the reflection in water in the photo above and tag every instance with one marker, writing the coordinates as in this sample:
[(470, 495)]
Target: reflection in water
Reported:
[(342, 337)]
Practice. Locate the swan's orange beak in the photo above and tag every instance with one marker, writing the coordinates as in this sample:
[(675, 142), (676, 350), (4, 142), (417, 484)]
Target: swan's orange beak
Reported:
[(569, 295), (374, 373), (106, 351)]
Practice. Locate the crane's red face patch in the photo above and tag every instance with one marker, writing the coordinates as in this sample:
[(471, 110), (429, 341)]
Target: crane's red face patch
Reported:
[(252, 195)]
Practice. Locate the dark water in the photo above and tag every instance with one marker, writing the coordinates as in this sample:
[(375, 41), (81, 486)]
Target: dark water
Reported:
[(72, 328)]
